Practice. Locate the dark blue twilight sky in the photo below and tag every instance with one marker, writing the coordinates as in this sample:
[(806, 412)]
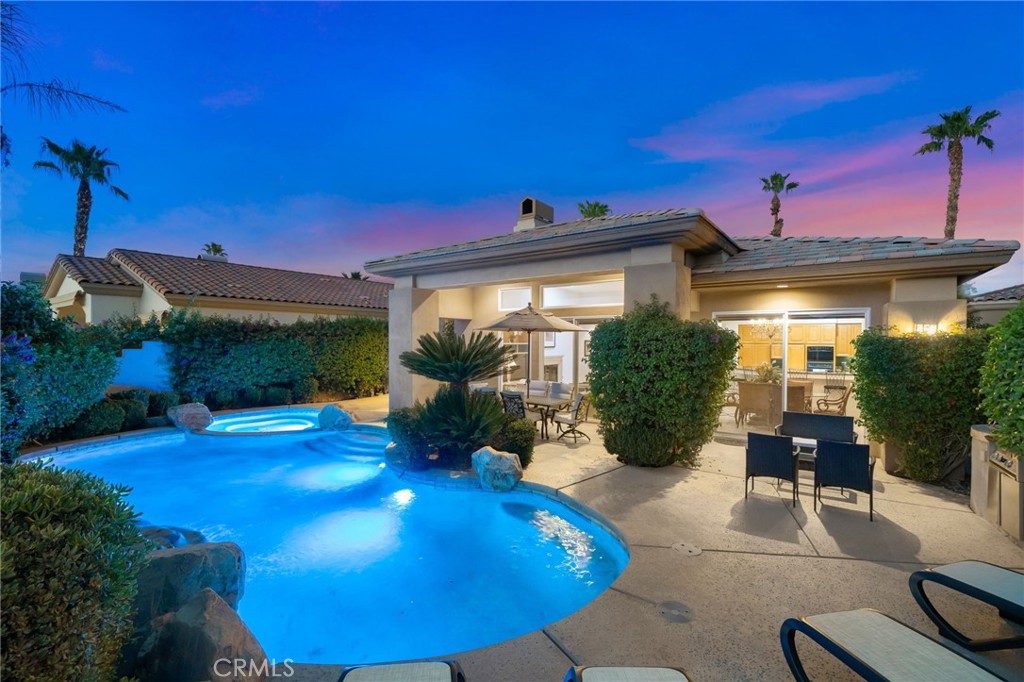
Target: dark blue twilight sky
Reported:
[(316, 136)]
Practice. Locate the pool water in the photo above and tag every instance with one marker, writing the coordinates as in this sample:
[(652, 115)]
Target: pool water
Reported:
[(266, 421), (348, 563)]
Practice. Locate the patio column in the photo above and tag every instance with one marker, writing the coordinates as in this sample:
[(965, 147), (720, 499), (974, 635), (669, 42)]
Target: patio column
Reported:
[(658, 270), (926, 305), (412, 312)]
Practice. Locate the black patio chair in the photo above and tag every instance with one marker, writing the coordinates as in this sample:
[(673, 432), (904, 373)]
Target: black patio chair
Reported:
[(514, 405), (771, 456), (844, 465)]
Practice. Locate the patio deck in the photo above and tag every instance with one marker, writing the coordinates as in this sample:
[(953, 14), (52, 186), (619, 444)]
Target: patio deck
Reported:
[(718, 613)]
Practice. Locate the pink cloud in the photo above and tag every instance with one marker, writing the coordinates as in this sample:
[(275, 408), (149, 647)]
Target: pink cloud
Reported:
[(235, 97)]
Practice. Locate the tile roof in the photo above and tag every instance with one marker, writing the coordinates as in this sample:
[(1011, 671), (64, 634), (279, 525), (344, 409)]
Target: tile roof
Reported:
[(539, 234), (89, 270), (1014, 293), (179, 275), (763, 253)]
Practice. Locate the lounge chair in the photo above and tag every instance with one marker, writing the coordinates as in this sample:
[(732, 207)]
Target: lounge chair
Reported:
[(427, 671), (771, 456), (997, 586), (620, 674), (844, 465), (570, 421), (879, 649)]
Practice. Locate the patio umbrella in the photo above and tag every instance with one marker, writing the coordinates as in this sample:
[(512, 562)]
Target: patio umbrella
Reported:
[(529, 320)]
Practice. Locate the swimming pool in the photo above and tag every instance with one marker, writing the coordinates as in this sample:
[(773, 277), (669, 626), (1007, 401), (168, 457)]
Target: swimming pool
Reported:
[(347, 562), (266, 421)]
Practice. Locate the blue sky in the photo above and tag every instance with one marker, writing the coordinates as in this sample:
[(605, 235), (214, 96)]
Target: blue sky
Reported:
[(316, 136)]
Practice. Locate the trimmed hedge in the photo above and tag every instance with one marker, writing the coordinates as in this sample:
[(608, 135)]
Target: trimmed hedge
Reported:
[(920, 392), (1002, 382), (658, 384), (71, 558), (103, 418)]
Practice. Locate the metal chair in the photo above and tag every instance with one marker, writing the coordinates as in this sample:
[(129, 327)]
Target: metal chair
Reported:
[(514, 406), (771, 456), (571, 419), (836, 403), (844, 465)]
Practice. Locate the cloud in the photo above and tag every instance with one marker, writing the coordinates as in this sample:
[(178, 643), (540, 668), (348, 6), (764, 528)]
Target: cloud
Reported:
[(235, 97), (104, 62), (736, 129)]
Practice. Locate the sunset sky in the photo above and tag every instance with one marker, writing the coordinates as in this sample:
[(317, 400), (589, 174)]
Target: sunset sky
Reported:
[(317, 136)]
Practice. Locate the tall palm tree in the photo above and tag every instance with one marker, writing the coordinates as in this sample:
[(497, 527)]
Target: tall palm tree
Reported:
[(214, 249), (955, 127), (87, 165), (593, 209), (776, 183), (355, 274)]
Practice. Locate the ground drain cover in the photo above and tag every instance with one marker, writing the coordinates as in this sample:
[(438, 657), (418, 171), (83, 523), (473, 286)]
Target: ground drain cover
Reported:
[(674, 612), (687, 549)]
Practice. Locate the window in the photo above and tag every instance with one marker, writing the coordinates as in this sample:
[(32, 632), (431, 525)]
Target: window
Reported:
[(593, 294), (513, 299)]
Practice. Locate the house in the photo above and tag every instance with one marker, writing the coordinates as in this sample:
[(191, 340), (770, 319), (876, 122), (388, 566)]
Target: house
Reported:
[(140, 283), (796, 302), (990, 307)]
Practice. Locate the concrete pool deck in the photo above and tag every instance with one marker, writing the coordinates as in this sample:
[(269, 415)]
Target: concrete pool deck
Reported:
[(717, 613)]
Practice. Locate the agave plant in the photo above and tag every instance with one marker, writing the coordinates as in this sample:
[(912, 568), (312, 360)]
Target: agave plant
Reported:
[(458, 423), (456, 360)]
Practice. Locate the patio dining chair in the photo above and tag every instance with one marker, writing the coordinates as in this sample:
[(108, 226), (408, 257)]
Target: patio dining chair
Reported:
[(771, 456), (844, 465), (834, 402), (425, 671), (568, 422), (514, 406)]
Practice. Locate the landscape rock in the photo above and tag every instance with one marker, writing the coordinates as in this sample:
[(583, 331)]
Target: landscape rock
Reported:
[(167, 537), (498, 471), (174, 576), (190, 416), (203, 640), (333, 417)]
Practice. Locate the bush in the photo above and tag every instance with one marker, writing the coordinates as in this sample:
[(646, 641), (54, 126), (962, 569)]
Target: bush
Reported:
[(141, 394), (50, 391), (71, 557), (350, 354), (100, 419), (1002, 382), (658, 384), (253, 397), (279, 396), (921, 393), (458, 424), (160, 402), (518, 436), (406, 432), (305, 390), (26, 312), (134, 415)]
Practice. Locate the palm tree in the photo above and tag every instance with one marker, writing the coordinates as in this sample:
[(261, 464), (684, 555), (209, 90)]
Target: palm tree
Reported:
[(355, 274), (593, 209), (55, 95), (214, 249), (451, 358), (955, 127), (87, 165), (775, 184)]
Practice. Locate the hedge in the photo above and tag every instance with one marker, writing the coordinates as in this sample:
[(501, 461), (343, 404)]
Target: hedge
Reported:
[(1002, 381)]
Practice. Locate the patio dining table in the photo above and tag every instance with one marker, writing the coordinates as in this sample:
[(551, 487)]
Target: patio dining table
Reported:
[(547, 408)]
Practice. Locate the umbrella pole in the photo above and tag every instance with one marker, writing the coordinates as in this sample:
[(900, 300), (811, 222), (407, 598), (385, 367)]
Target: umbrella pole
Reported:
[(529, 365)]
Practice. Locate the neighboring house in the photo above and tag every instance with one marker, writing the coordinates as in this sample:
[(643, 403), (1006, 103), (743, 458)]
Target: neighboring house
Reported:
[(991, 307), (797, 302), (139, 283)]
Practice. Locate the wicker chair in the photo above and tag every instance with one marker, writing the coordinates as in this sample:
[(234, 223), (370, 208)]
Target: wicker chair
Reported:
[(844, 465), (771, 456)]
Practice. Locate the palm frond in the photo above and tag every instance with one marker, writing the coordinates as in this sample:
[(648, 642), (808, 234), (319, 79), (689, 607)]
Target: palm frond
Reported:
[(454, 359), (58, 96)]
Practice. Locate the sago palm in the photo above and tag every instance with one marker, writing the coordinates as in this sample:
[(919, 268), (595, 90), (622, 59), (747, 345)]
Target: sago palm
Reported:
[(87, 165), (956, 126), (593, 209), (455, 360), (776, 184)]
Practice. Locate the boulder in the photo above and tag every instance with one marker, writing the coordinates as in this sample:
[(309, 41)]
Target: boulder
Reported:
[(498, 471), (332, 417), (190, 416), (174, 576), (167, 537), (203, 640)]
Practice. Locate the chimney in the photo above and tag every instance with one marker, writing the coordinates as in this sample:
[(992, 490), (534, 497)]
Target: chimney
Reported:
[(216, 259), (533, 213)]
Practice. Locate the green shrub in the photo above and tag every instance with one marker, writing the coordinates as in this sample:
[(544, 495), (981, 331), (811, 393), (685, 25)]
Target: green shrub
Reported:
[(26, 312), (71, 557), (102, 418), (1002, 381), (305, 390), (141, 394), (277, 395), (43, 395), (350, 354), (407, 433), (921, 393), (134, 415), (455, 360), (457, 424), (160, 402), (658, 384), (253, 397), (518, 436)]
